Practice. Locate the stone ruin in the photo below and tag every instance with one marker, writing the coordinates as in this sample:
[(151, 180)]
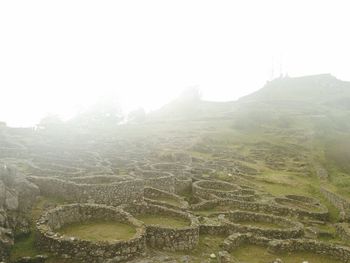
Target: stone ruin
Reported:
[(121, 180), (128, 198), (49, 240)]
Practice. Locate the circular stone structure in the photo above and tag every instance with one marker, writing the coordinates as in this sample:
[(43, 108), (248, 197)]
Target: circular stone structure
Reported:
[(183, 183), (50, 239), (92, 189), (262, 225), (157, 179), (163, 198), (174, 168), (287, 250), (100, 179), (167, 229), (303, 205), (223, 205), (209, 189)]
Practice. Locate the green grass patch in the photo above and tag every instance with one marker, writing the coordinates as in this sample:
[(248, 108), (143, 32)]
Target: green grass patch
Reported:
[(24, 247), (99, 231)]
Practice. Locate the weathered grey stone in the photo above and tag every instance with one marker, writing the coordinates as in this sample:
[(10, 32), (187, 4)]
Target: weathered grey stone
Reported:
[(11, 201), (2, 194), (167, 238), (224, 257), (88, 251)]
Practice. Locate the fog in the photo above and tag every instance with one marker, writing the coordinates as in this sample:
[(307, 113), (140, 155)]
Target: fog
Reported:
[(62, 56)]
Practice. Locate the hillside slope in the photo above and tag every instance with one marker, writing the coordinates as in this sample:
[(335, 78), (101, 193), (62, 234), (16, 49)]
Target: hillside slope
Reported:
[(305, 119)]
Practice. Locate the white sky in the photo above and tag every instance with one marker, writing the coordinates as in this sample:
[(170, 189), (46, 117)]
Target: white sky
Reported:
[(59, 56)]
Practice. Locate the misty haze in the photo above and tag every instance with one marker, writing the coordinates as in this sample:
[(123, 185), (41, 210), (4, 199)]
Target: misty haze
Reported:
[(174, 131)]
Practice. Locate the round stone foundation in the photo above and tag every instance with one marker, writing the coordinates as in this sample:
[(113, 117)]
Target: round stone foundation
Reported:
[(300, 202), (163, 198), (303, 206), (167, 229), (211, 189), (92, 189), (157, 179), (262, 225), (50, 239)]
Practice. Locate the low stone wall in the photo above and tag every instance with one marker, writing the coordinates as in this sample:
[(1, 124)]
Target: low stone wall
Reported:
[(343, 231), (214, 229), (304, 199), (341, 203), (338, 252), (100, 179), (174, 168), (156, 179), (110, 194), (200, 170), (166, 183), (183, 184), (284, 229), (290, 245), (208, 189), (301, 203), (238, 239), (167, 238), (260, 207), (155, 196), (88, 251)]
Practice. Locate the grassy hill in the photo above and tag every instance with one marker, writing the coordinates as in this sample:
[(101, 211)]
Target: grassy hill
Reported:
[(290, 128)]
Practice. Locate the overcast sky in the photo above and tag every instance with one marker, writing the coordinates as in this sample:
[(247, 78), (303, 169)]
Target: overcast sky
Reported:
[(59, 56)]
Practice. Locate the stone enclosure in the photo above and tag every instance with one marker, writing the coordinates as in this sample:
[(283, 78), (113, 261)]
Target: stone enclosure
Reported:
[(53, 220), (233, 210), (183, 205)]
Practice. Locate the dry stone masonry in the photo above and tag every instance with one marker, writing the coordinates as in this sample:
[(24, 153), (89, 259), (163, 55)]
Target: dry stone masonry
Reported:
[(167, 237), (120, 180), (88, 251)]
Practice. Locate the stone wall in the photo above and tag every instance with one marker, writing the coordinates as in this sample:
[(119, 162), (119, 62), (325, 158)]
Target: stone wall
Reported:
[(261, 207), (214, 229), (166, 183), (304, 199), (155, 196), (110, 194), (341, 203), (100, 179), (157, 179), (175, 168), (288, 246), (238, 239), (284, 228), (301, 203), (168, 238), (218, 189), (338, 252), (183, 184), (88, 251), (343, 231)]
